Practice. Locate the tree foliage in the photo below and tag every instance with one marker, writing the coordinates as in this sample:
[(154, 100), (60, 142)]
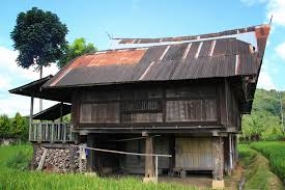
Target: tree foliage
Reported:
[(17, 127), (265, 120), (77, 48), (4, 126), (40, 36)]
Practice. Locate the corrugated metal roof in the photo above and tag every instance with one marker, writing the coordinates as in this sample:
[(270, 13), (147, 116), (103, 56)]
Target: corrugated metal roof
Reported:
[(216, 57), (54, 112), (202, 59)]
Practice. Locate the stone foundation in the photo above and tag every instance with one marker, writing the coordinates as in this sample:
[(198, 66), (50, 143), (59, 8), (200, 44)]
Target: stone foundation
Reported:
[(60, 158)]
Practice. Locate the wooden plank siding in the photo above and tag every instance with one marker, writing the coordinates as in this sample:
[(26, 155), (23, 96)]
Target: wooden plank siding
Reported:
[(193, 105), (230, 113), (194, 153)]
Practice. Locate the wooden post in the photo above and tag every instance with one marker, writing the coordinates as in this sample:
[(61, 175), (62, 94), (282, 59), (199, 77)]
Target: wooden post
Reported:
[(156, 167), (80, 158), (46, 131), (62, 128), (218, 151), (40, 132), (58, 132), (231, 151), (172, 152), (93, 156), (235, 149), (64, 132), (61, 105), (41, 76), (35, 131), (149, 161), (31, 118), (52, 133)]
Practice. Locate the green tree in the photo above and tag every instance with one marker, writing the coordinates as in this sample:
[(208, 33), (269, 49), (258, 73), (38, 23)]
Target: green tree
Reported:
[(20, 127), (39, 37), (265, 118), (254, 126), (77, 48), (4, 126)]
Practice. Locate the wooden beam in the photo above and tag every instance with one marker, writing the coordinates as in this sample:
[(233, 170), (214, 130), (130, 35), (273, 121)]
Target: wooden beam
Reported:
[(42, 161)]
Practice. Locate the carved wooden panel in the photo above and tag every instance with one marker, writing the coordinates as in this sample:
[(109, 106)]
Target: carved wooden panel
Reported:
[(191, 110), (142, 106)]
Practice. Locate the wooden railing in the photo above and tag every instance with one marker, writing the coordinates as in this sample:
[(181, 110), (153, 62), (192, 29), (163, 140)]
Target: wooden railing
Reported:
[(51, 132)]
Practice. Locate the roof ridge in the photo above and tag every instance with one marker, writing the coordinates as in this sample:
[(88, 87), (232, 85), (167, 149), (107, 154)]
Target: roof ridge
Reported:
[(190, 37)]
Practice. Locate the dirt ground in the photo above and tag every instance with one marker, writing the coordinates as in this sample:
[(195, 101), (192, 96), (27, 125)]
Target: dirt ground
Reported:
[(205, 181)]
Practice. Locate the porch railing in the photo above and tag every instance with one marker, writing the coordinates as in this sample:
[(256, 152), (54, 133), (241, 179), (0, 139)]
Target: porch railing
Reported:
[(51, 132)]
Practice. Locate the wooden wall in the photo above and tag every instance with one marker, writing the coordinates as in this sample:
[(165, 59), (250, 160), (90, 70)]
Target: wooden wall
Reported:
[(191, 105), (194, 153)]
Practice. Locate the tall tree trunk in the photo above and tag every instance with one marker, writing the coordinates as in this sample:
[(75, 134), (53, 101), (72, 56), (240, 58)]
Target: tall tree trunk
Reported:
[(40, 100)]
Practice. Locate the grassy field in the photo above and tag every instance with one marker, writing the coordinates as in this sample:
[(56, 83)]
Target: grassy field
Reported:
[(275, 153), (13, 176), (14, 160), (258, 174)]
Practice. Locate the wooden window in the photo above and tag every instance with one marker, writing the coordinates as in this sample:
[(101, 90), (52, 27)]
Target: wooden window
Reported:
[(100, 113)]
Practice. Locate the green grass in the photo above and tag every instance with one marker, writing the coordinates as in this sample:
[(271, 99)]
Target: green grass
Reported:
[(15, 178), (275, 153), (258, 173)]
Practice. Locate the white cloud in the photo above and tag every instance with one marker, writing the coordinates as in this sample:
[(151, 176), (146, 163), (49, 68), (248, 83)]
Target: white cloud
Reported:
[(277, 9), (280, 50), (5, 83), (273, 7), (12, 76), (252, 2), (265, 81), (9, 66)]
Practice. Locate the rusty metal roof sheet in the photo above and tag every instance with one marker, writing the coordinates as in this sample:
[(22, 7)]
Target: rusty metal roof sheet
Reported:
[(167, 62), (215, 57)]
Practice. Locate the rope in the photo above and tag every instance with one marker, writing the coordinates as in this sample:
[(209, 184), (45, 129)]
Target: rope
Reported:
[(126, 153)]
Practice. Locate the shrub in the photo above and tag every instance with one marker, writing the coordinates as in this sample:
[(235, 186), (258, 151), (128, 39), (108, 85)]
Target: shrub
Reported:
[(19, 161)]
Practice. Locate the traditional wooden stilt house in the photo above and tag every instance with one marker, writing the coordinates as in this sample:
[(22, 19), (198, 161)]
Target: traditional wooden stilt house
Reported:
[(180, 96)]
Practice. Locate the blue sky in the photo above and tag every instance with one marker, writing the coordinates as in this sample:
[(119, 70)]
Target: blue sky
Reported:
[(140, 18)]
